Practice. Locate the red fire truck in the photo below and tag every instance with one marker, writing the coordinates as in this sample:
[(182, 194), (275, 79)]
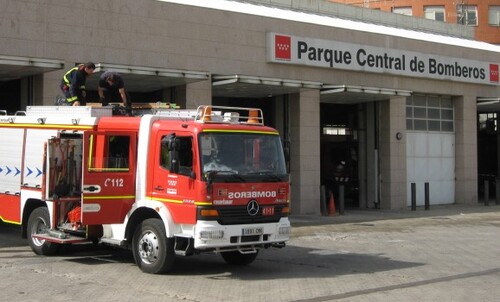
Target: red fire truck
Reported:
[(167, 183)]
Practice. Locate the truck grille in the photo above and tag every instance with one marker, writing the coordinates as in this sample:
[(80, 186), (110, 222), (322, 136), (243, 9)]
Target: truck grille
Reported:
[(239, 215)]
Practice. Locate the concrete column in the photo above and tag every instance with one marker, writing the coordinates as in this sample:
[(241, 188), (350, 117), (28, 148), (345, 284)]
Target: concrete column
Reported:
[(37, 93), (26, 92), (371, 155), (465, 149), (190, 96), (393, 153), (362, 148), (305, 152), (48, 86)]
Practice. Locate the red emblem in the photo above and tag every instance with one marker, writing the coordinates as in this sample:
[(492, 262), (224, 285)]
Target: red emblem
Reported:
[(494, 73), (282, 46)]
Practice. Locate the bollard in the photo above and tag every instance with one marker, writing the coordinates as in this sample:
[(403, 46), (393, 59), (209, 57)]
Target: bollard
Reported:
[(426, 188), (413, 196), (341, 199), (322, 200), (497, 191), (486, 192)]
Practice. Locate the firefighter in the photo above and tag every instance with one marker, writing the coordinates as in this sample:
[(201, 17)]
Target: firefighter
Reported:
[(112, 88), (73, 83)]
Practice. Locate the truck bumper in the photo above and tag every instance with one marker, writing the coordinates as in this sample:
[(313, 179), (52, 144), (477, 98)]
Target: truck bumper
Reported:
[(211, 235)]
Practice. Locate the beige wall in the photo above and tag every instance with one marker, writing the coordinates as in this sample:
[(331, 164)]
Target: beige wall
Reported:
[(164, 35)]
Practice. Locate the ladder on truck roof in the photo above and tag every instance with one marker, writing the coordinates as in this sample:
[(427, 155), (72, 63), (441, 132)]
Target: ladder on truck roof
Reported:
[(73, 111), (51, 111), (72, 117)]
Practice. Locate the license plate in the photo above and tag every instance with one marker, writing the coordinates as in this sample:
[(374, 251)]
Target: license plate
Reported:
[(252, 231)]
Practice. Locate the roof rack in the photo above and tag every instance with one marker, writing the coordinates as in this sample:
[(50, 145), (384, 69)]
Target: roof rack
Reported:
[(217, 114), (203, 114), (176, 113), (230, 115)]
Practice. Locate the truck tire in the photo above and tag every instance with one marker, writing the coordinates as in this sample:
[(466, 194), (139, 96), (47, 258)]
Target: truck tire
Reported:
[(39, 223), (153, 251), (237, 258)]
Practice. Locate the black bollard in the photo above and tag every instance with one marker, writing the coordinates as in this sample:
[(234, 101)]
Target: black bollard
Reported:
[(427, 203), (322, 201), (341, 199), (413, 196), (486, 192), (497, 191)]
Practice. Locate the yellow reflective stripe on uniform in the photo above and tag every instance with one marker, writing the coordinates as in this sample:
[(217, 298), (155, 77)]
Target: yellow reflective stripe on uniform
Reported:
[(72, 99), (65, 77)]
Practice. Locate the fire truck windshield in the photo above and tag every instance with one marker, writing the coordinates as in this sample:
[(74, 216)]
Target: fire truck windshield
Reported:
[(252, 157)]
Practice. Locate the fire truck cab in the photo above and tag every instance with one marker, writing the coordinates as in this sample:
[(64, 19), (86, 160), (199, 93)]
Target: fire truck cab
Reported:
[(165, 183)]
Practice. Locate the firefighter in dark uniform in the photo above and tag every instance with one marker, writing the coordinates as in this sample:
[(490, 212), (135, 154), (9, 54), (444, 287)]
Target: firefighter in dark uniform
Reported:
[(73, 83), (111, 88)]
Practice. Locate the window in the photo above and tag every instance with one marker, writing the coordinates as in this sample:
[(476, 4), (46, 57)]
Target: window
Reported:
[(429, 113), (467, 14), (337, 130), (118, 147), (109, 153), (250, 156), (488, 122), (185, 155), (494, 15), (404, 10), (434, 13)]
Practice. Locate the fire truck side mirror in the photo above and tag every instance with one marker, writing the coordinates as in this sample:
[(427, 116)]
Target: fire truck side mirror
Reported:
[(171, 142)]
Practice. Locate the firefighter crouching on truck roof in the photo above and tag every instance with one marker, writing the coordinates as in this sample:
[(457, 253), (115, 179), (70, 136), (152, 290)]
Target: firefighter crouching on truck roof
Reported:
[(73, 83), (111, 88)]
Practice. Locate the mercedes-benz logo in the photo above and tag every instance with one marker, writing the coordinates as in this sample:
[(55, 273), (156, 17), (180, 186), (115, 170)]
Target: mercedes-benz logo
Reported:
[(253, 207)]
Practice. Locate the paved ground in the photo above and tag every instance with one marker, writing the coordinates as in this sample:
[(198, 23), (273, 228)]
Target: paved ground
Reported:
[(449, 253)]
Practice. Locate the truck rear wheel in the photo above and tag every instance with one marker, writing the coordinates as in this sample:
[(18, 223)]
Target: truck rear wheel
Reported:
[(39, 223), (237, 258), (153, 251)]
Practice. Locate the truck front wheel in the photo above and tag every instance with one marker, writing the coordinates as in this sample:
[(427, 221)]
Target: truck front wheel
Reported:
[(237, 258), (39, 223), (153, 251)]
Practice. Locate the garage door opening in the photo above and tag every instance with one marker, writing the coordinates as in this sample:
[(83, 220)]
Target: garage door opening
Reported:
[(339, 151)]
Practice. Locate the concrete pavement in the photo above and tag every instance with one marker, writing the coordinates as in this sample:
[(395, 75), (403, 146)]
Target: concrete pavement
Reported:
[(449, 253), (366, 215)]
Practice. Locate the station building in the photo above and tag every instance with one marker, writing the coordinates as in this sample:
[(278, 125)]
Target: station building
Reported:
[(361, 98)]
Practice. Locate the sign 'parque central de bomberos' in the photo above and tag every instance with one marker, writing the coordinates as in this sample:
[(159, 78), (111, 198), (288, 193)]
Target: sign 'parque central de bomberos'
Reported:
[(287, 49)]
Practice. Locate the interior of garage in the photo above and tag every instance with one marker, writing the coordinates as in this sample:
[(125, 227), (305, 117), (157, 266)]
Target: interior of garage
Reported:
[(339, 151), (10, 96), (487, 147)]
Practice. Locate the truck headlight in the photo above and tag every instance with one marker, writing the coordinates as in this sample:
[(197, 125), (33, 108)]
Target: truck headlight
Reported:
[(284, 230)]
